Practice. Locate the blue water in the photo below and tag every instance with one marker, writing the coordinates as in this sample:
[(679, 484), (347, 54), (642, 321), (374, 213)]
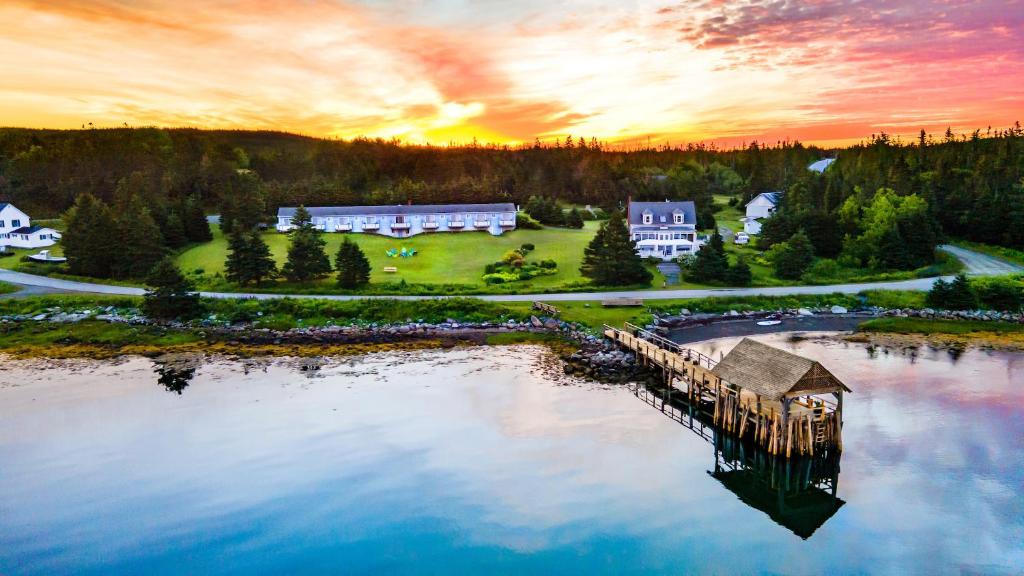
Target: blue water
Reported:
[(483, 461)]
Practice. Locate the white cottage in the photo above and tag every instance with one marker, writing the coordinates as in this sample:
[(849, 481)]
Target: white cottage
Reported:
[(666, 230), (17, 231), (402, 221), (821, 165), (762, 206)]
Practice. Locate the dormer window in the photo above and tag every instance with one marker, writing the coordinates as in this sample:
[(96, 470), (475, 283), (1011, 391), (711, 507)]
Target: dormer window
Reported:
[(648, 218), (662, 218), (678, 218)]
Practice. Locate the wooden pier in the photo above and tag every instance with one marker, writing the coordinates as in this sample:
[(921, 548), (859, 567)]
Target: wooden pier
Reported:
[(784, 403)]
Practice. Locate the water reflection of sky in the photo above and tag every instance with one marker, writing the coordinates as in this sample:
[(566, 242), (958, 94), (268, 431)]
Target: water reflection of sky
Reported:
[(473, 461)]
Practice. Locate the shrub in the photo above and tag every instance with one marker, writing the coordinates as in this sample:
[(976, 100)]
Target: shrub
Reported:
[(524, 222), (955, 295), (1006, 294), (527, 247), (549, 264), (512, 258), (793, 257), (492, 267)]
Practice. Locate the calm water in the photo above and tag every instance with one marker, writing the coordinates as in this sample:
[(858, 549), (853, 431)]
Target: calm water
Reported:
[(478, 461)]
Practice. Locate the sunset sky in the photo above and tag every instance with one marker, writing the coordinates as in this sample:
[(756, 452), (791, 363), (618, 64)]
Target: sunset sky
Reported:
[(440, 71)]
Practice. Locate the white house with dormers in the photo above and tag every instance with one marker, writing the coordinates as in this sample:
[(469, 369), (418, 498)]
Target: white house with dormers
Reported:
[(17, 231), (402, 220), (762, 206), (666, 230)]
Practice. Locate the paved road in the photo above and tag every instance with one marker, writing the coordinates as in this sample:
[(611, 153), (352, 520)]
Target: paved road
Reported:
[(976, 263), (917, 284)]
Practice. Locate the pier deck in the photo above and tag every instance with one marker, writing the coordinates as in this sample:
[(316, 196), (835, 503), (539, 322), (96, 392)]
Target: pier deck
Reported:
[(777, 399)]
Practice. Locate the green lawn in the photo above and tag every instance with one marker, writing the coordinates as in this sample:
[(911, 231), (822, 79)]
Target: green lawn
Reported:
[(6, 288), (728, 216), (450, 258)]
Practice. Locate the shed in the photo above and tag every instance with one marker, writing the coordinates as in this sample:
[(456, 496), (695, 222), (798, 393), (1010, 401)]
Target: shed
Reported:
[(775, 374)]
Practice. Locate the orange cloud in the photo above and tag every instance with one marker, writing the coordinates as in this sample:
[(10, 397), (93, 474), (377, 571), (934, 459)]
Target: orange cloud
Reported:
[(823, 71)]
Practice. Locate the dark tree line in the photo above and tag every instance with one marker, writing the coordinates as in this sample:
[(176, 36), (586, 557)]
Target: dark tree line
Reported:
[(964, 181)]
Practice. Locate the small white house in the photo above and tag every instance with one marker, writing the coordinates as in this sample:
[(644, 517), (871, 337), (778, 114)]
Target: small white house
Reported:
[(17, 231), (666, 230), (762, 206), (821, 165)]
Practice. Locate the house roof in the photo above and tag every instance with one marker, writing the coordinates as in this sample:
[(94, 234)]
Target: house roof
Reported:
[(4, 205), (321, 211), (774, 373), (659, 209), (28, 230), (821, 165), (772, 197)]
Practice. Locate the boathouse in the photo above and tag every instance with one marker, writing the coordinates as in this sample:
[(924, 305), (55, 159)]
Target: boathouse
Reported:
[(774, 383), (785, 403)]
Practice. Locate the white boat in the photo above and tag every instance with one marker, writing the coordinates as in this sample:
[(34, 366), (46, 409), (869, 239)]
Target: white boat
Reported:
[(769, 322), (44, 256)]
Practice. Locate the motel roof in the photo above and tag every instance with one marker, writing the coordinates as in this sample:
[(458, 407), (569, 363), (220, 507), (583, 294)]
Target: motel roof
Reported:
[(397, 209)]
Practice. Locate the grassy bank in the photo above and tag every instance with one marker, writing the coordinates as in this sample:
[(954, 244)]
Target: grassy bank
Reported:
[(952, 327), (6, 288), (953, 334)]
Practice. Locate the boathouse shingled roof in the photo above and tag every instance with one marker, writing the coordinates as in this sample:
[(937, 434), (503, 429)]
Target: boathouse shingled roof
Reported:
[(774, 373)]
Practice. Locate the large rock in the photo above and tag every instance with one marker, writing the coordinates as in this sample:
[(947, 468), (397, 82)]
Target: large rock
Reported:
[(839, 310), (804, 312), (536, 322)]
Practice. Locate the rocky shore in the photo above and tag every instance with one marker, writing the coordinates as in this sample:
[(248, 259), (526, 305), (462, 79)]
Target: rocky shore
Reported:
[(592, 356)]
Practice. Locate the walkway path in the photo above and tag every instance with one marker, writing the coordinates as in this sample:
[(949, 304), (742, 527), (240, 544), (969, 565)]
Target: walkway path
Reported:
[(976, 264)]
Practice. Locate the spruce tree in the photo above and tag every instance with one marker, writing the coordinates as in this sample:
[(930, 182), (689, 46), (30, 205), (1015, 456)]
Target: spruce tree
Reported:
[(170, 296), (197, 229), (574, 219), (174, 231), (141, 245), (794, 257), (611, 258), (249, 260), (306, 257), (353, 266), (711, 263), (89, 239), (740, 274)]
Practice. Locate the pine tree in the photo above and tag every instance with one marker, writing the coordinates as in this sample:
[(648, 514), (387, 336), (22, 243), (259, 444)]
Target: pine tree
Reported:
[(794, 257), (170, 296), (740, 274), (353, 266), (249, 260), (955, 295), (306, 257), (174, 231), (197, 229), (574, 219), (89, 239), (611, 258), (140, 243), (711, 263)]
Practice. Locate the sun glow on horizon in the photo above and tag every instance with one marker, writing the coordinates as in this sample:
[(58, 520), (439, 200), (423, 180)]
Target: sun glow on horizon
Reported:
[(828, 72)]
